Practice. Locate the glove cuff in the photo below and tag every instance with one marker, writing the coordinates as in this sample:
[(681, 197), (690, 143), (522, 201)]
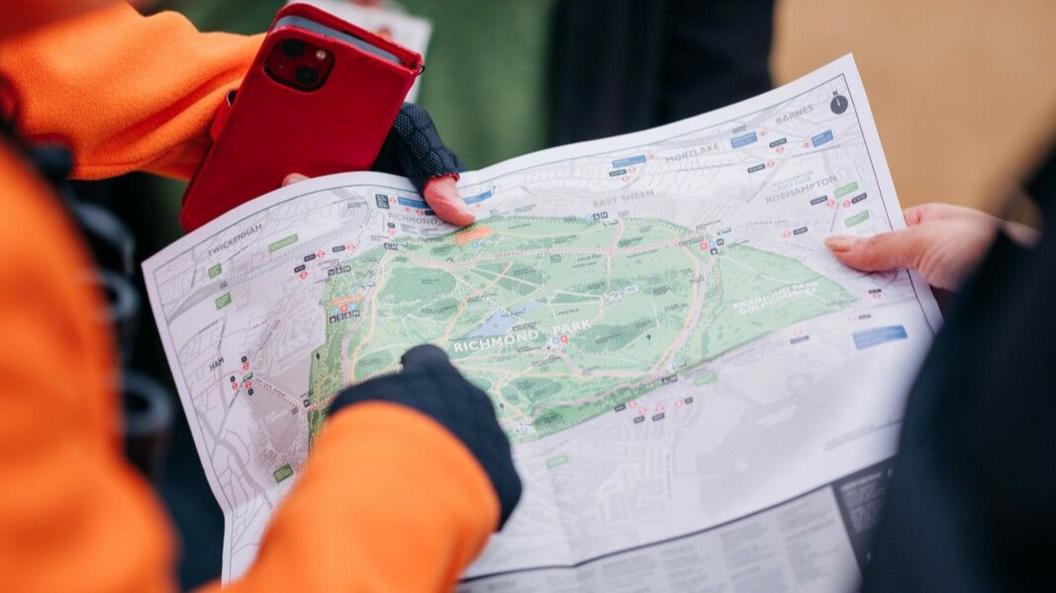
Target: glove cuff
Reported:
[(414, 149)]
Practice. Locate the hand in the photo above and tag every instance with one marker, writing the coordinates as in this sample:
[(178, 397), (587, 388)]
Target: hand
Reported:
[(943, 242), (432, 386), (414, 150)]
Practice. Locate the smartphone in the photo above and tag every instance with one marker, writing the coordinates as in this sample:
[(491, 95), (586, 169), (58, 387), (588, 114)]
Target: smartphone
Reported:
[(320, 98)]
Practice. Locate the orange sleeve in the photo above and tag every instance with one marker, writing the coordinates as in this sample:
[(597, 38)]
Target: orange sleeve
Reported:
[(389, 502), (73, 515), (127, 92)]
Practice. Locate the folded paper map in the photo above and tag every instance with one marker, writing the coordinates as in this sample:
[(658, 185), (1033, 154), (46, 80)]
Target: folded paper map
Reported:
[(697, 391)]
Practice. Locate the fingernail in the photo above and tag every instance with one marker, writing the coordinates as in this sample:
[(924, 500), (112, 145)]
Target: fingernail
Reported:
[(461, 216), (293, 178), (443, 195), (841, 243)]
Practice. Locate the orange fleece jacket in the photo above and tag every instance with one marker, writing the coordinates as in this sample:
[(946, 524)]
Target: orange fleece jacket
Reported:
[(127, 92), (389, 500)]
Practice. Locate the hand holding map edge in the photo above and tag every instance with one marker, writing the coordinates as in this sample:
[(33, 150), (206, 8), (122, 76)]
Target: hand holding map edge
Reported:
[(943, 242), (641, 407)]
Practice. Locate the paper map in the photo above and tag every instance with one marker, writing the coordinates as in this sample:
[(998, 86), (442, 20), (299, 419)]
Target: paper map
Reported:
[(697, 391)]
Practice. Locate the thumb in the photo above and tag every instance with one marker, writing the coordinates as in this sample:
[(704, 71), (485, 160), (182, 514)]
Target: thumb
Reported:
[(293, 178), (441, 194), (903, 248), (422, 356)]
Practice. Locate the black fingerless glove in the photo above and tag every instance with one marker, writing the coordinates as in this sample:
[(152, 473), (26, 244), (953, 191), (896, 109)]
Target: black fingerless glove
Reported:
[(429, 384), (414, 150)]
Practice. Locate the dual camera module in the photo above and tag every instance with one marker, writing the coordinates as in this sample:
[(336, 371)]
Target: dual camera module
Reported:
[(299, 64)]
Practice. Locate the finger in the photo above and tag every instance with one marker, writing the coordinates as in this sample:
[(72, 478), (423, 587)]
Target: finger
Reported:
[(422, 356), (442, 196), (1022, 234), (914, 215), (293, 178), (886, 251)]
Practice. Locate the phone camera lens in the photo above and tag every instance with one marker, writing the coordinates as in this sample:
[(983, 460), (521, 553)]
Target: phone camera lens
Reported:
[(293, 47), (307, 76)]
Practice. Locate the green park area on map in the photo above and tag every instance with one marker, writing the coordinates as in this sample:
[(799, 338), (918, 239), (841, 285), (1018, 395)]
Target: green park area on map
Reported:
[(558, 319)]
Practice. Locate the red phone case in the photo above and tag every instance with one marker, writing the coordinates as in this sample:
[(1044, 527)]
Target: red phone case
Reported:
[(270, 129)]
